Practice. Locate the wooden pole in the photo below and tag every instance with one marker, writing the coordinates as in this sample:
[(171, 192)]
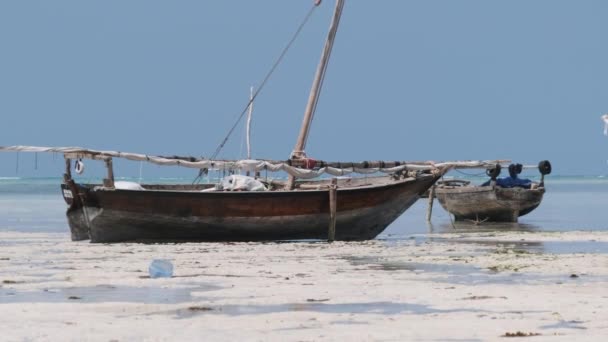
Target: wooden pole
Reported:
[(298, 151), (249, 112), (109, 182), (333, 201), (429, 210), (542, 180), (68, 169)]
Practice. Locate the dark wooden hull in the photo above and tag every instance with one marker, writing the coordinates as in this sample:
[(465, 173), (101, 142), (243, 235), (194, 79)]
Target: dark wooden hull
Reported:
[(488, 203), (163, 215)]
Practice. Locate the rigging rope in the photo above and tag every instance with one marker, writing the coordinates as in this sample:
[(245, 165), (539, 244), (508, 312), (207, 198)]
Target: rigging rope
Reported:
[(266, 78), (276, 64), (471, 174)]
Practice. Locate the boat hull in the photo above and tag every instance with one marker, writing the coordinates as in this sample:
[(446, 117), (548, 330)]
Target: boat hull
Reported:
[(110, 215), (487, 203)]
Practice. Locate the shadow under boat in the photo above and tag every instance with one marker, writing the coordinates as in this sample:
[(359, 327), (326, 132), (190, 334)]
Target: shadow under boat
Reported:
[(470, 226)]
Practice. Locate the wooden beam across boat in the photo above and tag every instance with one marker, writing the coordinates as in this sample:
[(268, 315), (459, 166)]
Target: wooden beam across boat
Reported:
[(199, 163)]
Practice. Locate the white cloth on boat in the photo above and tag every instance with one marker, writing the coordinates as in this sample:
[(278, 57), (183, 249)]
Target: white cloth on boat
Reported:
[(241, 183), (249, 165), (124, 185)]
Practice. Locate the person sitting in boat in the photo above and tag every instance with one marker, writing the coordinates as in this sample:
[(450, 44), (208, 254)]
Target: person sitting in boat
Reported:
[(513, 180)]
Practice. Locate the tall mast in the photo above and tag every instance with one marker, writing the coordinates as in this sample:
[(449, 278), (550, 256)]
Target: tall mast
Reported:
[(249, 112), (313, 98)]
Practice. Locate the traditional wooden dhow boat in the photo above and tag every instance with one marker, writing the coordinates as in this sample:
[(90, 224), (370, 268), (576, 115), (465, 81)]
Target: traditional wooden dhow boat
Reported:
[(356, 208), (499, 200), (115, 211)]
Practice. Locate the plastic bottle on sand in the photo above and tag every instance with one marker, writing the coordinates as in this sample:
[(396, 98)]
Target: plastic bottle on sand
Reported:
[(161, 268)]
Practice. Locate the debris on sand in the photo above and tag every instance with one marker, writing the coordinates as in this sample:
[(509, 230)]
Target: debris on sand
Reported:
[(200, 308), (520, 334)]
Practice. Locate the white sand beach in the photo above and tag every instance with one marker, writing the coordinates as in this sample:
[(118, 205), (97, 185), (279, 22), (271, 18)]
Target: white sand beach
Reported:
[(473, 287)]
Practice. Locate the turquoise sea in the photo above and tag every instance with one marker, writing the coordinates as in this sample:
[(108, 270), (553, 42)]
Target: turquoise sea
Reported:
[(570, 203)]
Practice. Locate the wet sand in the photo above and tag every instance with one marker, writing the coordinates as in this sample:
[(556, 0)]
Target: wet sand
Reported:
[(436, 287)]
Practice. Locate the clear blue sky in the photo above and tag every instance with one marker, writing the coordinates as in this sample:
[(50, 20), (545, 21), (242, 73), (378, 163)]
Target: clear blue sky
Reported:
[(409, 80)]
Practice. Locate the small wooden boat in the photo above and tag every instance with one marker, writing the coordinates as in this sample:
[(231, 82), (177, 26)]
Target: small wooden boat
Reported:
[(491, 202)]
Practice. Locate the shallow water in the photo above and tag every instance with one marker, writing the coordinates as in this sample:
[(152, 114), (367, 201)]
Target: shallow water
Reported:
[(464, 274), (547, 247), (106, 293), (378, 308)]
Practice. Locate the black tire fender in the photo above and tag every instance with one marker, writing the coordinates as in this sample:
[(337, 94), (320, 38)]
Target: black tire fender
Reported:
[(544, 167), (493, 172)]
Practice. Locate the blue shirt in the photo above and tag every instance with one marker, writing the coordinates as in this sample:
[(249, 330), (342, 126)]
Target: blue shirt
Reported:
[(512, 182)]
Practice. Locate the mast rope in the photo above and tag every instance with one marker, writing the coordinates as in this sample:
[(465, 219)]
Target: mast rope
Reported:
[(471, 174), (266, 78), (255, 94)]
